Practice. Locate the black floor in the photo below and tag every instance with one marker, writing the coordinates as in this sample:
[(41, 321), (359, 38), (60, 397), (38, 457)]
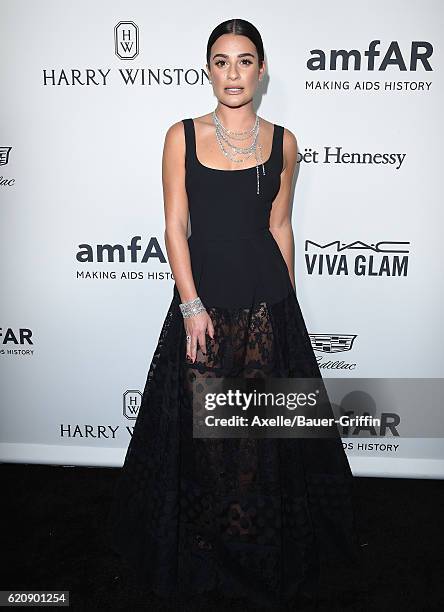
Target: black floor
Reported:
[(53, 537)]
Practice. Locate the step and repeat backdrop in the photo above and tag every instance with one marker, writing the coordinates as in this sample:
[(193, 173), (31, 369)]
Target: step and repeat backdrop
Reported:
[(88, 93)]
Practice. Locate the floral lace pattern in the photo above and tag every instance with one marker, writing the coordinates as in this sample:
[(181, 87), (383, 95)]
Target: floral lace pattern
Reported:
[(251, 518)]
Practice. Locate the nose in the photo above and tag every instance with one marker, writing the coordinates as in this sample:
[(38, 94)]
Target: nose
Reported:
[(232, 72)]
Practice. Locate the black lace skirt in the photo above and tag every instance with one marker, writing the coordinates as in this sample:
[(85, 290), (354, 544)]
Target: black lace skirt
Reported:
[(240, 517)]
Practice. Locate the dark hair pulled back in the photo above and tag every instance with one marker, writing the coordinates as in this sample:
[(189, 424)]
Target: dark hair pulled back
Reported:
[(241, 27)]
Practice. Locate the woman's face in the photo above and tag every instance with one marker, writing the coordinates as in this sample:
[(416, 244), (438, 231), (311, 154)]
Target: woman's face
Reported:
[(234, 69)]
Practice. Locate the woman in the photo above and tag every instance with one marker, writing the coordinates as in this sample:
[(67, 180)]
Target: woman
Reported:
[(242, 517)]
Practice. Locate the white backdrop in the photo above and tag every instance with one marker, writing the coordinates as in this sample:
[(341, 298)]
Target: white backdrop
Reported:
[(82, 130)]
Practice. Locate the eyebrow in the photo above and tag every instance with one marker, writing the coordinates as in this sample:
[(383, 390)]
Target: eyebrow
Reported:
[(239, 55)]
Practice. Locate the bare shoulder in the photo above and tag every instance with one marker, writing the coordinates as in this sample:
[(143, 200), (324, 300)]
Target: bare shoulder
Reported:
[(269, 127), (175, 133), (290, 141), (204, 125), (204, 119), (174, 145), (290, 148)]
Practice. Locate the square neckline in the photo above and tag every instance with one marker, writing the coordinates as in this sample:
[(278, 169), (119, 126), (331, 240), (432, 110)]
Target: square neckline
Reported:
[(227, 169)]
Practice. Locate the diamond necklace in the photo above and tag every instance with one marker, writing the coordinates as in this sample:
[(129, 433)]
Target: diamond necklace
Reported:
[(223, 135)]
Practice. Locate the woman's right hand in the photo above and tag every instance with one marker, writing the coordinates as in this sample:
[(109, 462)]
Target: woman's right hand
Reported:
[(196, 327)]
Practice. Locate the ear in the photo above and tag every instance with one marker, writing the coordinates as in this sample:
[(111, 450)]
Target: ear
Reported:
[(262, 71)]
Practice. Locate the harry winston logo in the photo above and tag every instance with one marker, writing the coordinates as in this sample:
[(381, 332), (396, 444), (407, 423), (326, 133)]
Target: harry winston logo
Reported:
[(332, 343), (131, 404), (126, 40)]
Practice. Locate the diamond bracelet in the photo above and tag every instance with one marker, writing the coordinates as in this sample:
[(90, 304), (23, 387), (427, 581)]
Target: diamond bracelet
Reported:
[(189, 309)]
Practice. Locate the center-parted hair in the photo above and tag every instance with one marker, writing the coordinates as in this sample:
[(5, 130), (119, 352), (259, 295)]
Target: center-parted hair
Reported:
[(241, 27)]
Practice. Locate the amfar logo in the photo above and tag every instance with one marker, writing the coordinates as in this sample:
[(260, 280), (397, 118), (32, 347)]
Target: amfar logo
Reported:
[(4, 159), (378, 259), (131, 404), (107, 252), (21, 336), (418, 54), (16, 341), (332, 343), (126, 40)]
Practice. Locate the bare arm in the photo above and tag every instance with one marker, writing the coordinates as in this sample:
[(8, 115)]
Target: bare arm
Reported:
[(280, 219), (176, 211), (176, 222)]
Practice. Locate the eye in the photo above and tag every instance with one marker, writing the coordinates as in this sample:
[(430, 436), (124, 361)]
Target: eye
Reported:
[(244, 60)]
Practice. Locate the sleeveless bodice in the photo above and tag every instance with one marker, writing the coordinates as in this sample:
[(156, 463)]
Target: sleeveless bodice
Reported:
[(225, 203), (235, 259)]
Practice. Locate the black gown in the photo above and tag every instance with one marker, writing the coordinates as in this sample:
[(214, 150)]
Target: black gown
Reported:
[(241, 517)]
